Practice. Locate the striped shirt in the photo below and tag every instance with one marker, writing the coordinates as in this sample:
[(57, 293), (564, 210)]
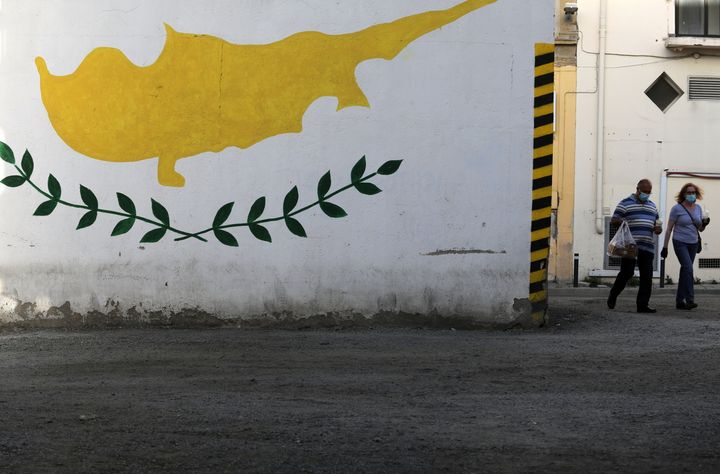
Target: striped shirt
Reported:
[(641, 217)]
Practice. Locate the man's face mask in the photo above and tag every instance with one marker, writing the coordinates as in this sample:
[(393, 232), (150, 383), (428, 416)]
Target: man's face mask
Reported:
[(644, 197)]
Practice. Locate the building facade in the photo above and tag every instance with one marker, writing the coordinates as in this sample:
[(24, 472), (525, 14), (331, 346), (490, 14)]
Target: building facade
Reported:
[(221, 160), (646, 105)]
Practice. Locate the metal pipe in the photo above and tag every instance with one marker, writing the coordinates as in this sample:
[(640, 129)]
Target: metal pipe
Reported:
[(662, 273), (600, 126), (662, 207), (663, 193), (694, 174), (576, 270)]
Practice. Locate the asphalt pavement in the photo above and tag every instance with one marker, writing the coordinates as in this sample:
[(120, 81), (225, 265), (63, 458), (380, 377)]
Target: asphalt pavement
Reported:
[(594, 391)]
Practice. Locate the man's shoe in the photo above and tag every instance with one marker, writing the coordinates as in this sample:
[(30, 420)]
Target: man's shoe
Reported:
[(691, 305), (647, 309), (682, 305), (611, 301)]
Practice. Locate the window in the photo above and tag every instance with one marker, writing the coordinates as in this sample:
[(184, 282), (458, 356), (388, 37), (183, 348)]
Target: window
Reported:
[(697, 18)]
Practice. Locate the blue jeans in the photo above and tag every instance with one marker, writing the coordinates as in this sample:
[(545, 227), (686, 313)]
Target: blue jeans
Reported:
[(686, 255)]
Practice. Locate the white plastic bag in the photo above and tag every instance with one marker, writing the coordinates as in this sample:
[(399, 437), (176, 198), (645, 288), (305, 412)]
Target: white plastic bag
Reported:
[(622, 244)]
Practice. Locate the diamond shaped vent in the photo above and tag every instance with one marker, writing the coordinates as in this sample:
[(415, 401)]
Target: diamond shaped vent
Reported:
[(664, 92)]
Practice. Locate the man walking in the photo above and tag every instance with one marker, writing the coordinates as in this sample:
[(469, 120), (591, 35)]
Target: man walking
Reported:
[(642, 217)]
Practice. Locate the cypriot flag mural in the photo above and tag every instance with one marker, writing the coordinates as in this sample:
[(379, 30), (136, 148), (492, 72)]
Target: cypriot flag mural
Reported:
[(291, 158), (206, 94)]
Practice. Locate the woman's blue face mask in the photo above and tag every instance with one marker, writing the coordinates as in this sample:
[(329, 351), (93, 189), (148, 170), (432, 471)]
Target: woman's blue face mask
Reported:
[(691, 198)]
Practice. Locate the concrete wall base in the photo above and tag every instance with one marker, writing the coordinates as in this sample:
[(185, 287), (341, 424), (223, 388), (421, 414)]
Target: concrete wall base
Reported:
[(25, 316)]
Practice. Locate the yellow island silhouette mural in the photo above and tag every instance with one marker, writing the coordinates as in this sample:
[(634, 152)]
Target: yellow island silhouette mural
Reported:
[(206, 94)]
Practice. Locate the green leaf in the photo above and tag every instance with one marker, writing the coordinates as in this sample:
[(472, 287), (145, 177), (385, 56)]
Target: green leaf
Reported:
[(390, 167), (88, 197), (332, 210), (6, 153), (87, 220), (358, 170), (295, 227), (256, 210), (123, 226), (13, 181), (260, 232), (27, 164), (46, 208), (222, 215), (126, 204), (324, 186), (54, 187), (226, 238), (154, 235), (367, 188), (291, 200), (160, 212)]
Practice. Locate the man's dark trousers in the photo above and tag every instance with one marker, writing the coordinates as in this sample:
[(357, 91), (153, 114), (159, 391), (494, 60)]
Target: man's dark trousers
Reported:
[(644, 263)]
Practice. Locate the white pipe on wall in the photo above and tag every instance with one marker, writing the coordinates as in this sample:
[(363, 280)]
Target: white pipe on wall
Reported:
[(600, 132), (663, 208), (663, 198)]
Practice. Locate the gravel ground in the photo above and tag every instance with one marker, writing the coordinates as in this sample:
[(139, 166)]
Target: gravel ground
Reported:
[(596, 391)]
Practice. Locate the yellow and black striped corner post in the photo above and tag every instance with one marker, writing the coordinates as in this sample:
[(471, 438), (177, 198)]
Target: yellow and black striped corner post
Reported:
[(542, 179)]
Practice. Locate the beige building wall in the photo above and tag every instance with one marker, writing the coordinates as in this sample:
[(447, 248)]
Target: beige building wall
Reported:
[(563, 203), (561, 245)]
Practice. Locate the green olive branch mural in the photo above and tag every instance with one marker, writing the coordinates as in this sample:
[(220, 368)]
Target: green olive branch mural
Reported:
[(254, 223), (91, 205), (162, 224)]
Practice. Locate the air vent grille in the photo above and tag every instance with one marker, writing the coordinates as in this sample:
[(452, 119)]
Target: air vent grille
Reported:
[(709, 263), (704, 88)]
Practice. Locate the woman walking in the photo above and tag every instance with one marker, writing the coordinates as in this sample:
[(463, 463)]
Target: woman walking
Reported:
[(686, 221)]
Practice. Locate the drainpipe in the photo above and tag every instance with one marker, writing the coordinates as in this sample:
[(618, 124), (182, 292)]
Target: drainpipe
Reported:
[(663, 197), (600, 132), (663, 216)]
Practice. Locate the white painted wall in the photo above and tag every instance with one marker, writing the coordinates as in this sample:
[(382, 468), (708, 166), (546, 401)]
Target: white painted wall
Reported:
[(456, 106), (641, 141)]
